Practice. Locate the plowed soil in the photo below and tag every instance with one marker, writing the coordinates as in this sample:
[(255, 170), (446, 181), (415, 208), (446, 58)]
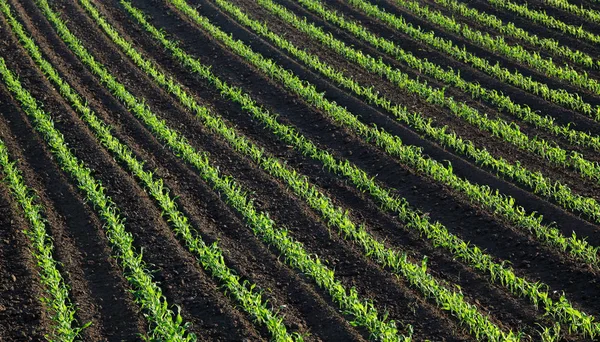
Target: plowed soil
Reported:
[(97, 285)]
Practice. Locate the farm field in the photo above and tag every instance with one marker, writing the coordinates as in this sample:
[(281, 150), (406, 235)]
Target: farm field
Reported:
[(299, 170)]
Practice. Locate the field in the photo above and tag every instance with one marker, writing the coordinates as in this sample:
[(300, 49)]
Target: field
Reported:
[(288, 170)]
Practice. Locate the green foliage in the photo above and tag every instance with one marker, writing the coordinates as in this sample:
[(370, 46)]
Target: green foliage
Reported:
[(437, 233), (543, 18), (210, 256), (166, 325), (363, 312), (300, 185), (410, 155), (64, 327), (509, 29), (147, 293), (586, 13), (497, 45), (509, 132), (558, 96), (451, 77)]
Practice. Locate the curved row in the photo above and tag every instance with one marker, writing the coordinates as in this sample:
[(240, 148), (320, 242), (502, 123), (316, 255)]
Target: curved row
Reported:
[(546, 20), (437, 233), (299, 184), (410, 155), (498, 46), (509, 28), (501, 101), (581, 11), (363, 312), (541, 184), (558, 96), (165, 324), (63, 312), (210, 256)]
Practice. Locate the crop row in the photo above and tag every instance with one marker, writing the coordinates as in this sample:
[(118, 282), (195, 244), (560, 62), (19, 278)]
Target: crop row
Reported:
[(436, 232), (498, 127), (501, 101), (509, 29), (65, 325), (498, 46), (510, 133), (558, 96), (299, 184), (211, 257), (410, 155), (364, 312), (587, 13), (547, 20), (166, 325)]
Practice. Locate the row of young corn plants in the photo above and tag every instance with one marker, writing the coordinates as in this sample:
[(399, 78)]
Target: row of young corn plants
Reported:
[(558, 96), (501, 101), (165, 324), (210, 256), (412, 156), (509, 29), (56, 298), (363, 312), (586, 13), (541, 17), (498, 46), (439, 236), (536, 181), (509, 132), (300, 185)]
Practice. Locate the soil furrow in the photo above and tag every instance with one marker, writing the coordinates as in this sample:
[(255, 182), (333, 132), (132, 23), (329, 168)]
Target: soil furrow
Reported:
[(176, 269), (421, 50), (509, 249), (483, 139), (98, 287), (116, 315), (556, 58), (229, 68), (506, 62), (171, 163), (539, 28), (256, 188), (348, 197), (22, 315)]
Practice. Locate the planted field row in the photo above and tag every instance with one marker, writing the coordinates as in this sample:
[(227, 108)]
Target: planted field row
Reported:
[(210, 256), (510, 29), (496, 127), (560, 96), (235, 106), (547, 20)]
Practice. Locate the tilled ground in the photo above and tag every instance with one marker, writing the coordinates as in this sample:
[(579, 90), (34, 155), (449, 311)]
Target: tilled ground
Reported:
[(97, 285)]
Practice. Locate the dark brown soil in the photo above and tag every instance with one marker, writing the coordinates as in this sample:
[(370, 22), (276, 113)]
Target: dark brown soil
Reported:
[(22, 316), (98, 286)]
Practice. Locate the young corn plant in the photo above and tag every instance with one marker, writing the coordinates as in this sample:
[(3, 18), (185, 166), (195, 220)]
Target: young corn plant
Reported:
[(580, 11), (537, 293), (63, 313), (497, 45), (451, 77), (551, 45), (559, 96), (300, 185), (165, 324), (363, 312), (411, 156), (209, 256), (543, 18), (497, 127)]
